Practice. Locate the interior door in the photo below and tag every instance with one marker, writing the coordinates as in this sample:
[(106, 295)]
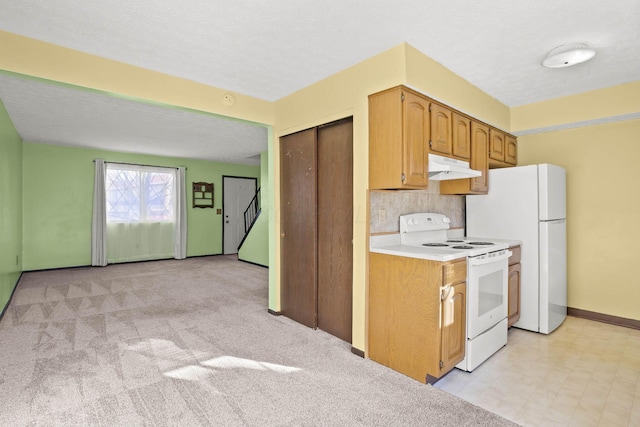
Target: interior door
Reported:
[(335, 228), (237, 194), (298, 227)]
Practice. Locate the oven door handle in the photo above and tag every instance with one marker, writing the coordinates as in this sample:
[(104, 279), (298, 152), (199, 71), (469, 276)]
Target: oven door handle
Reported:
[(489, 260)]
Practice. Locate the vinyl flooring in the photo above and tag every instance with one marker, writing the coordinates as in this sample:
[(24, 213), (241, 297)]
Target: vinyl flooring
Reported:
[(585, 373)]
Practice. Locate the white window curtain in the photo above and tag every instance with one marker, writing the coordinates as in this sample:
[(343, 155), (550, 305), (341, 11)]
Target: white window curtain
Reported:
[(180, 226), (145, 212), (99, 217)]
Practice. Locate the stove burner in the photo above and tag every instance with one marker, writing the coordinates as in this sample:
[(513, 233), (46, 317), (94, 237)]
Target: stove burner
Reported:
[(481, 243), (434, 244), (463, 247), (455, 241)]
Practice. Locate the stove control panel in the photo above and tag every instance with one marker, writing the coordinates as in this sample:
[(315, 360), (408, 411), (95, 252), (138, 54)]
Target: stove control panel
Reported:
[(423, 222)]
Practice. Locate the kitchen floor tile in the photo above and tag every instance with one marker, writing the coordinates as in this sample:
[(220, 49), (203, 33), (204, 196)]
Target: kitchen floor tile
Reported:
[(583, 374)]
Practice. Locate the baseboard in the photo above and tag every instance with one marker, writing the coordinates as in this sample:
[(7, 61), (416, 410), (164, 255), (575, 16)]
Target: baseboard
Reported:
[(58, 268), (201, 256), (4, 309), (254, 263), (604, 318), (357, 352), (275, 313), (119, 263)]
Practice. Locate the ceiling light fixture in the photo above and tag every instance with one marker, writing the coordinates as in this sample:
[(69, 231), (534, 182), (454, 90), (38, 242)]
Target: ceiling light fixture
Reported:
[(568, 55)]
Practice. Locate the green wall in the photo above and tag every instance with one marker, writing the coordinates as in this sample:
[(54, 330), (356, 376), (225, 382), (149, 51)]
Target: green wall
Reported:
[(58, 198), (10, 207), (255, 248)]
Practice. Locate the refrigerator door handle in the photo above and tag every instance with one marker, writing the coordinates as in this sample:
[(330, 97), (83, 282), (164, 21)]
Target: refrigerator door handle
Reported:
[(554, 221)]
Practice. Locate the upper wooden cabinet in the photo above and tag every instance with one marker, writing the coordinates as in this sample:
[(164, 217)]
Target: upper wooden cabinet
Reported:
[(405, 126), (496, 145), (479, 135), (461, 136), (479, 158), (398, 139), (450, 134), (503, 150), (441, 137), (510, 150)]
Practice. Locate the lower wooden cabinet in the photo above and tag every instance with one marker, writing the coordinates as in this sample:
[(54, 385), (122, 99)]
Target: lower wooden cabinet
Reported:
[(454, 324), (417, 314), (513, 314)]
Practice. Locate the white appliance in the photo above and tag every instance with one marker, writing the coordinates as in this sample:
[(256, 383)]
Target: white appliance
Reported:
[(487, 306), (424, 235), (444, 168), (528, 203)]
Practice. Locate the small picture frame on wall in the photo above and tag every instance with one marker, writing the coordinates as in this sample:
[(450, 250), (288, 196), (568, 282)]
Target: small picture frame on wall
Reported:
[(202, 195)]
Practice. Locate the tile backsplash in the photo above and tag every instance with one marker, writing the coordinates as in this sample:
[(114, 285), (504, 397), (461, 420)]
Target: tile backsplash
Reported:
[(387, 206)]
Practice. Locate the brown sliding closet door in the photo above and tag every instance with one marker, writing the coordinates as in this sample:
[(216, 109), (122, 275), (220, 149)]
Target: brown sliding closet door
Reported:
[(298, 226), (335, 228), (316, 211)]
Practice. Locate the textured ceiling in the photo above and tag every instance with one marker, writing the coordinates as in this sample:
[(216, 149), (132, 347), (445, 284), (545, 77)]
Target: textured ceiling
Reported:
[(53, 114), (270, 49)]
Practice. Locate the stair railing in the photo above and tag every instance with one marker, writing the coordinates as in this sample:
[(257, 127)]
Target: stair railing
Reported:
[(251, 214)]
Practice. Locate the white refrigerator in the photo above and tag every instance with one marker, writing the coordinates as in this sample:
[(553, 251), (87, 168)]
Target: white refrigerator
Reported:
[(528, 203)]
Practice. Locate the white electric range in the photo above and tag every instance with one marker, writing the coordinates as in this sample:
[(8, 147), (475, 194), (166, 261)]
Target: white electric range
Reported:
[(425, 236)]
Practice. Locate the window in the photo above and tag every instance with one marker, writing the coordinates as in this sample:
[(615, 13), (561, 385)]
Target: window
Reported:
[(139, 194), (139, 213)]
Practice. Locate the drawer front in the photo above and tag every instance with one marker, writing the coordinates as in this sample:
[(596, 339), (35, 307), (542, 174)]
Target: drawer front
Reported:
[(454, 272), (515, 258)]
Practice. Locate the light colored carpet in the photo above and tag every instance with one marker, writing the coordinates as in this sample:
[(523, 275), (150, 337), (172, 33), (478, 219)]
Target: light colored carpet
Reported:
[(189, 343)]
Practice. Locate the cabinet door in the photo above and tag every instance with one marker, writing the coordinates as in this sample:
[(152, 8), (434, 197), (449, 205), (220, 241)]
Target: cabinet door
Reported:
[(510, 150), (441, 140), (480, 157), (514, 294), (496, 145), (461, 136), (454, 326), (415, 137)]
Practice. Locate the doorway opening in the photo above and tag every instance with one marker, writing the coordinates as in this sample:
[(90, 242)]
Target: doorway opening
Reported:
[(237, 194)]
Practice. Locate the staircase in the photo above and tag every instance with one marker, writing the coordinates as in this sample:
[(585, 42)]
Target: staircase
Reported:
[(251, 214)]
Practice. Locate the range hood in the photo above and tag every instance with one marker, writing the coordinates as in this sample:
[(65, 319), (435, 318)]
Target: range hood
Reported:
[(444, 168)]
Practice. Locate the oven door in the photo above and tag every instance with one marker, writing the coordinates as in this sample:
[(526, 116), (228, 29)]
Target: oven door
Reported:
[(487, 291)]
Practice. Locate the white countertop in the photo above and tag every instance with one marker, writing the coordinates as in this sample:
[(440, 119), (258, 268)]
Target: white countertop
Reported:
[(433, 254), (390, 244)]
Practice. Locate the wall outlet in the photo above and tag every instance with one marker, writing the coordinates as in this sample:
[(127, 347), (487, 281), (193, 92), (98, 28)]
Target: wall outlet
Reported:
[(382, 215)]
